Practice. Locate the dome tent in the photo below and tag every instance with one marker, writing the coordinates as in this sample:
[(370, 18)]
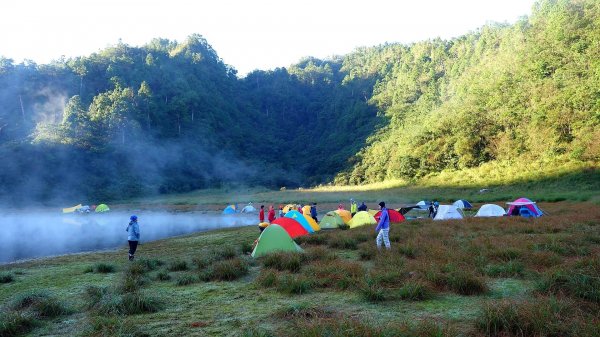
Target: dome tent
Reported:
[(301, 219), (229, 209), (362, 218), (274, 239), (291, 226), (313, 224), (344, 214), (447, 212), (490, 210), (462, 204), (524, 207), (331, 220), (395, 216), (102, 208), (248, 209)]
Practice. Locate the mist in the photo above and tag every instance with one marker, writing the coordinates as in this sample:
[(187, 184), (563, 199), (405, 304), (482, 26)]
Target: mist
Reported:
[(27, 235)]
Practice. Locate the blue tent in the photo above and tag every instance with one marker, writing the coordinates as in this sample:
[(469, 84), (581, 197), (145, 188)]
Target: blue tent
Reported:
[(300, 218), (229, 209), (462, 204)]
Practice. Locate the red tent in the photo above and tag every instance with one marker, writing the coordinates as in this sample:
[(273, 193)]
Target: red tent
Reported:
[(395, 216), (293, 227)]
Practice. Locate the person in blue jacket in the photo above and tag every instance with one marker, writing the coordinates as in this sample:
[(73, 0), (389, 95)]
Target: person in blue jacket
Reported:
[(383, 227), (313, 211), (133, 236)]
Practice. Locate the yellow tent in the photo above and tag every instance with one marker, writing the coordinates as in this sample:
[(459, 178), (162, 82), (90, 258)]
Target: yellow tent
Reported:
[(361, 219), (289, 207), (72, 209), (344, 214), (306, 210), (373, 212), (313, 224)]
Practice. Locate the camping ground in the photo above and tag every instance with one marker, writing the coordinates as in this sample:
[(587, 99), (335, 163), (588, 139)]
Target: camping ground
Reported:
[(475, 277)]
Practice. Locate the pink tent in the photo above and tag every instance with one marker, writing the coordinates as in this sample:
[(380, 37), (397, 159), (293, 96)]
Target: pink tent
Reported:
[(523, 203)]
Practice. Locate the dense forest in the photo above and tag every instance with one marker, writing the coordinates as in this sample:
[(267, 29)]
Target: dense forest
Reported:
[(172, 117)]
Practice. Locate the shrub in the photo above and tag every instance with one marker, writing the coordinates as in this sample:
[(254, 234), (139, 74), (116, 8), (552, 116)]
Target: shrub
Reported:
[(267, 278), (284, 261), (104, 268), (16, 323), (227, 270), (294, 284), (179, 265), (414, 291), (508, 269), (6, 278), (185, 280)]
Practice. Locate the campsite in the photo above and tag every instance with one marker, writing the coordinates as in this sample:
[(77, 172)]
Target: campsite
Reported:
[(474, 276), (300, 168)]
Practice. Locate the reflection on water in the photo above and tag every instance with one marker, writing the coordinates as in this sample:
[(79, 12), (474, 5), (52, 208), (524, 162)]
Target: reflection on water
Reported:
[(27, 235)]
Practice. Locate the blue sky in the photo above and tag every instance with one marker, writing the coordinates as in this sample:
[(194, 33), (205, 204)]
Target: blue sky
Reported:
[(248, 35)]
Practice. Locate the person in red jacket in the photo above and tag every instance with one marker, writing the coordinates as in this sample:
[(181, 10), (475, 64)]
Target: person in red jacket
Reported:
[(261, 213), (271, 215)]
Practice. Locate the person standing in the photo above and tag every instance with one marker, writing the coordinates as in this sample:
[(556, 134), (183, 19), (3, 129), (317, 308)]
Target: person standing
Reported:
[(313, 211), (271, 215), (431, 209), (261, 213), (362, 207), (280, 211), (383, 227), (133, 236), (353, 207)]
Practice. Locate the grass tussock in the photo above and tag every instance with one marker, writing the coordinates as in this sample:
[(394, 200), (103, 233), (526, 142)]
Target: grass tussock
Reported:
[(267, 278), (6, 278), (163, 276), (104, 268), (415, 291), (289, 261), (227, 270), (507, 269), (178, 265), (580, 281), (184, 280), (40, 305), (294, 284), (335, 274), (105, 301), (315, 239), (16, 324), (343, 242)]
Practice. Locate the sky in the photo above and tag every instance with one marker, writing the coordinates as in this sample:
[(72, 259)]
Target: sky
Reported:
[(246, 34)]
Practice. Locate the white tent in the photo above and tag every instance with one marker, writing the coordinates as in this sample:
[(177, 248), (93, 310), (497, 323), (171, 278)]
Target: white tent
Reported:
[(423, 204), (446, 212), (489, 210), (462, 204), (248, 209)]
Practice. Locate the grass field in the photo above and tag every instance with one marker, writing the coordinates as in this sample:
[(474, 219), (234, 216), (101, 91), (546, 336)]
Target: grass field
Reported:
[(474, 277)]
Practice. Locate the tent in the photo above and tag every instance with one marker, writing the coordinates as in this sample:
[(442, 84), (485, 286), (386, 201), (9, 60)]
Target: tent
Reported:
[(395, 216), (289, 207), (462, 204), (331, 220), (306, 210), (102, 208), (72, 209), (373, 211), (344, 214), (248, 209), (229, 209), (362, 218), (301, 219), (490, 210), (264, 224), (274, 239), (423, 204), (291, 226), (447, 212), (313, 224), (524, 207)]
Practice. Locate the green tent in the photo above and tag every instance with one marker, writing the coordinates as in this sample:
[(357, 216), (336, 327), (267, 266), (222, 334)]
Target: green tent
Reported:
[(331, 220), (102, 208), (274, 239), (361, 219)]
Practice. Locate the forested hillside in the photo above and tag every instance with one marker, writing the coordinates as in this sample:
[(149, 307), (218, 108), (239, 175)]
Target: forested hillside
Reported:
[(171, 116)]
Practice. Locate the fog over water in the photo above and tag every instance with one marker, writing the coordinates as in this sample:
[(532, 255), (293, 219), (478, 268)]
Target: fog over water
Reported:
[(25, 235)]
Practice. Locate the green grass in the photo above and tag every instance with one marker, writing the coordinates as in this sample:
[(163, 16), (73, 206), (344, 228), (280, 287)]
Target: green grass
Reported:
[(457, 273)]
